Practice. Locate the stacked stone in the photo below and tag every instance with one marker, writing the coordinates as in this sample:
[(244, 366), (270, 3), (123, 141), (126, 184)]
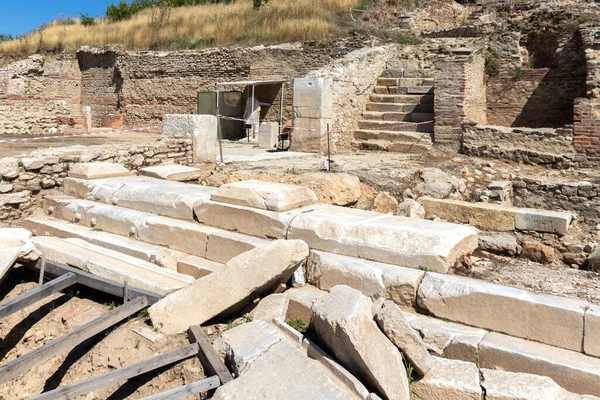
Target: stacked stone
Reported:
[(312, 114)]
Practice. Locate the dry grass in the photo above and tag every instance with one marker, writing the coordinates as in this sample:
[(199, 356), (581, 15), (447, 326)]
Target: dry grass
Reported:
[(198, 26)]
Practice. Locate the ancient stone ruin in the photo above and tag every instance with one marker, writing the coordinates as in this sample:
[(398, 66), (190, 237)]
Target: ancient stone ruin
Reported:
[(423, 225)]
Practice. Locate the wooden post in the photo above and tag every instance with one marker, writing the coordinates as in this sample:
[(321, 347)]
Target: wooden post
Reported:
[(121, 374), (67, 342), (208, 355), (26, 299), (187, 390)]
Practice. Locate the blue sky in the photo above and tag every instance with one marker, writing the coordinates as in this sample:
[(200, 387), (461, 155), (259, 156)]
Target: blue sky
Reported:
[(19, 16)]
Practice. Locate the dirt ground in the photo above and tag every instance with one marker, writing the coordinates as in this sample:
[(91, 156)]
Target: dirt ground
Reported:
[(117, 347)]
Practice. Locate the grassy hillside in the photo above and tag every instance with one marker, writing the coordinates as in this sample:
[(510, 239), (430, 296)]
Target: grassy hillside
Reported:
[(195, 26)]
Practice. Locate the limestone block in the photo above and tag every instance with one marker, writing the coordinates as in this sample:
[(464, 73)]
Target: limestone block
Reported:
[(390, 239), (312, 92), (449, 380), (196, 267), (313, 112), (343, 319), (172, 172), (272, 307), (264, 195), (489, 306), (402, 335), (482, 215), (97, 170), (543, 220), (300, 302), (201, 128), (591, 336), (247, 342), (15, 243), (340, 189), (255, 271), (117, 220), (111, 265), (447, 339), (224, 245), (267, 377), (310, 135), (373, 279), (502, 385), (410, 208), (572, 370), (188, 237), (385, 203), (33, 164), (268, 135), (246, 220)]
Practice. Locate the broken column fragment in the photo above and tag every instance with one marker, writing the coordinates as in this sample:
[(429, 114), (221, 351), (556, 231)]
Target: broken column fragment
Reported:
[(343, 319), (255, 271)]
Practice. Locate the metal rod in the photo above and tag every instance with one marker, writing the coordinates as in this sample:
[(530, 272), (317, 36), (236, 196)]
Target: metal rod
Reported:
[(125, 292), (252, 114), (42, 269), (281, 110), (219, 134), (328, 151)]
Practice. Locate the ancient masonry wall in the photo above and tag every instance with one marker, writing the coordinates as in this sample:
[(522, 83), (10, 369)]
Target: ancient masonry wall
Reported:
[(37, 94), (459, 95), (546, 146), (24, 180), (587, 109)]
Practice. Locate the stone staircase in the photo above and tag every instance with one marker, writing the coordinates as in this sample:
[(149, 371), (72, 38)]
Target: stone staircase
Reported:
[(397, 101)]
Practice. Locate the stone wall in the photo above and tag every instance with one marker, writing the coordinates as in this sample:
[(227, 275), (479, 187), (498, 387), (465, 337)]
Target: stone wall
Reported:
[(546, 146), (459, 95), (23, 181), (582, 197), (39, 93)]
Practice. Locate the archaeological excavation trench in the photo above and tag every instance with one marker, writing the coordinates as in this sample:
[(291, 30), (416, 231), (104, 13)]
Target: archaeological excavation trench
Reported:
[(409, 216)]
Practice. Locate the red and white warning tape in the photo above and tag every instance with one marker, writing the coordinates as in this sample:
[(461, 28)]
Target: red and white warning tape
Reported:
[(334, 131), (77, 134)]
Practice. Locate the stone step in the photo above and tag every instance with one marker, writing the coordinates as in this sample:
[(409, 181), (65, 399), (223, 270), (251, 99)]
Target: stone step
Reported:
[(397, 116), (395, 126), (490, 306), (111, 264), (394, 147), (172, 172), (171, 199), (405, 82), (393, 136), (408, 242), (184, 236), (401, 72), (573, 371), (397, 107), (401, 98), (161, 256), (498, 217)]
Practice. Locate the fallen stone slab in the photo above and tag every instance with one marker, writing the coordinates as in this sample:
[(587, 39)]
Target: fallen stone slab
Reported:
[(97, 170), (265, 195), (490, 306), (372, 278), (502, 385), (15, 243), (111, 265), (572, 370), (395, 326), (300, 302), (591, 336), (449, 380), (222, 246), (408, 242), (272, 307), (343, 319), (246, 220), (265, 376), (253, 272), (145, 251), (497, 217), (172, 172), (447, 339)]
